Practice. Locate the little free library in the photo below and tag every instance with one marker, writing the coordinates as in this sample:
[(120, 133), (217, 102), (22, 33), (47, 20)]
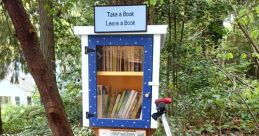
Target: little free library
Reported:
[(120, 71)]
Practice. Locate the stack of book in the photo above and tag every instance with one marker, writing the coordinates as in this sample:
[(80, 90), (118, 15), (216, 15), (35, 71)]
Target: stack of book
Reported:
[(126, 104), (119, 58)]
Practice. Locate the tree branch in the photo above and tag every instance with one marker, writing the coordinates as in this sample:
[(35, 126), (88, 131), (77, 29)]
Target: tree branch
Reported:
[(245, 32), (247, 35), (232, 79)]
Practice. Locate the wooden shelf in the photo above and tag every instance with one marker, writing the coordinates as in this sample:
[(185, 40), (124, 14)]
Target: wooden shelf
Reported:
[(116, 73)]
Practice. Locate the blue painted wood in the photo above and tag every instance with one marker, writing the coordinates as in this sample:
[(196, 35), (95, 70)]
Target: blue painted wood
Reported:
[(118, 40)]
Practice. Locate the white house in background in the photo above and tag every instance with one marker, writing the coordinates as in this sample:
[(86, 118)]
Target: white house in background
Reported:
[(17, 93)]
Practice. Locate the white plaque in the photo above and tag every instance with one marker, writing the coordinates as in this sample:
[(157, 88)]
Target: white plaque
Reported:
[(114, 132)]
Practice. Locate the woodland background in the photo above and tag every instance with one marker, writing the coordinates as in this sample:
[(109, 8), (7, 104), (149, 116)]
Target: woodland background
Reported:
[(209, 63)]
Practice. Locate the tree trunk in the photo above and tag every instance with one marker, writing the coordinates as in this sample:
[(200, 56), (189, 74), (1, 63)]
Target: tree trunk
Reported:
[(42, 74), (47, 43), (1, 123)]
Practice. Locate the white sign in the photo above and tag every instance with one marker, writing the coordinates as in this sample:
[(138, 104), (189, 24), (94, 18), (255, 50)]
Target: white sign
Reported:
[(110, 132), (120, 18)]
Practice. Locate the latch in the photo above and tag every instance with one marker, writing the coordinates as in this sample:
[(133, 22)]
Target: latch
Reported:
[(89, 115), (153, 83), (88, 50)]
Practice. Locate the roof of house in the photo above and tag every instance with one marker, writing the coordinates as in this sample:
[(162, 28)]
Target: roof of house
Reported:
[(9, 89), (25, 86)]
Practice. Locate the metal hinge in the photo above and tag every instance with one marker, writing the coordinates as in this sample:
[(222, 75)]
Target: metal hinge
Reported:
[(89, 115), (87, 50)]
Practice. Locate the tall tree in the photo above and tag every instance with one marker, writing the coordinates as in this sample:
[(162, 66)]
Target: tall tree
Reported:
[(39, 68), (47, 42)]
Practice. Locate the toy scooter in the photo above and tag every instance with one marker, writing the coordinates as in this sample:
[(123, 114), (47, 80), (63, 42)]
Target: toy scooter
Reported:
[(161, 110)]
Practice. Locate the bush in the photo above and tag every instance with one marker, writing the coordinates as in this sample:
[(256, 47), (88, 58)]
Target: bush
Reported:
[(17, 119)]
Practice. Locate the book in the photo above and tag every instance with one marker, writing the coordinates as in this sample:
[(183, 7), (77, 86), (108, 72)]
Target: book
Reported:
[(115, 58), (132, 59), (104, 98), (132, 99), (120, 104), (141, 54), (119, 58), (110, 58), (124, 104), (103, 58), (139, 114), (127, 102), (137, 108), (112, 103), (106, 58), (115, 105), (106, 103), (99, 58), (133, 105), (125, 58), (128, 57), (99, 101), (127, 105), (137, 61)]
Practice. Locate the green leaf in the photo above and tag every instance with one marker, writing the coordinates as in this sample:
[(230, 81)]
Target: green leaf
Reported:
[(210, 2), (243, 21), (257, 9), (161, 1), (246, 93), (218, 56), (171, 85), (153, 2), (221, 56), (198, 49), (220, 102), (242, 12), (229, 56), (255, 34), (255, 55), (243, 56), (251, 18)]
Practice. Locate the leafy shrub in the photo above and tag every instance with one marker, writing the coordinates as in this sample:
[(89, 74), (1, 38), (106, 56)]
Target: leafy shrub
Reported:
[(17, 119)]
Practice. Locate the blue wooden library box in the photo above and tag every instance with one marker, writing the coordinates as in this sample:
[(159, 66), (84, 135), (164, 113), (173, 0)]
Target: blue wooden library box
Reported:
[(120, 77)]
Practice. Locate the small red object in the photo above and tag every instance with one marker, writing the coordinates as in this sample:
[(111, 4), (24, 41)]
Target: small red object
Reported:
[(164, 100)]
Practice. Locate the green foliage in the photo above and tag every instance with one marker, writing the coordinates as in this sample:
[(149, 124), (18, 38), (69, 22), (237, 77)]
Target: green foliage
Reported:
[(10, 56), (73, 104), (31, 120), (82, 131), (18, 119), (202, 70), (153, 2)]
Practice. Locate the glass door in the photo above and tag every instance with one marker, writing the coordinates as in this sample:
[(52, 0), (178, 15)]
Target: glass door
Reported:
[(119, 70)]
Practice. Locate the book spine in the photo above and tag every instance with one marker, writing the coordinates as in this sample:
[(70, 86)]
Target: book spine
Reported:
[(115, 105), (127, 104), (99, 101), (132, 99)]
